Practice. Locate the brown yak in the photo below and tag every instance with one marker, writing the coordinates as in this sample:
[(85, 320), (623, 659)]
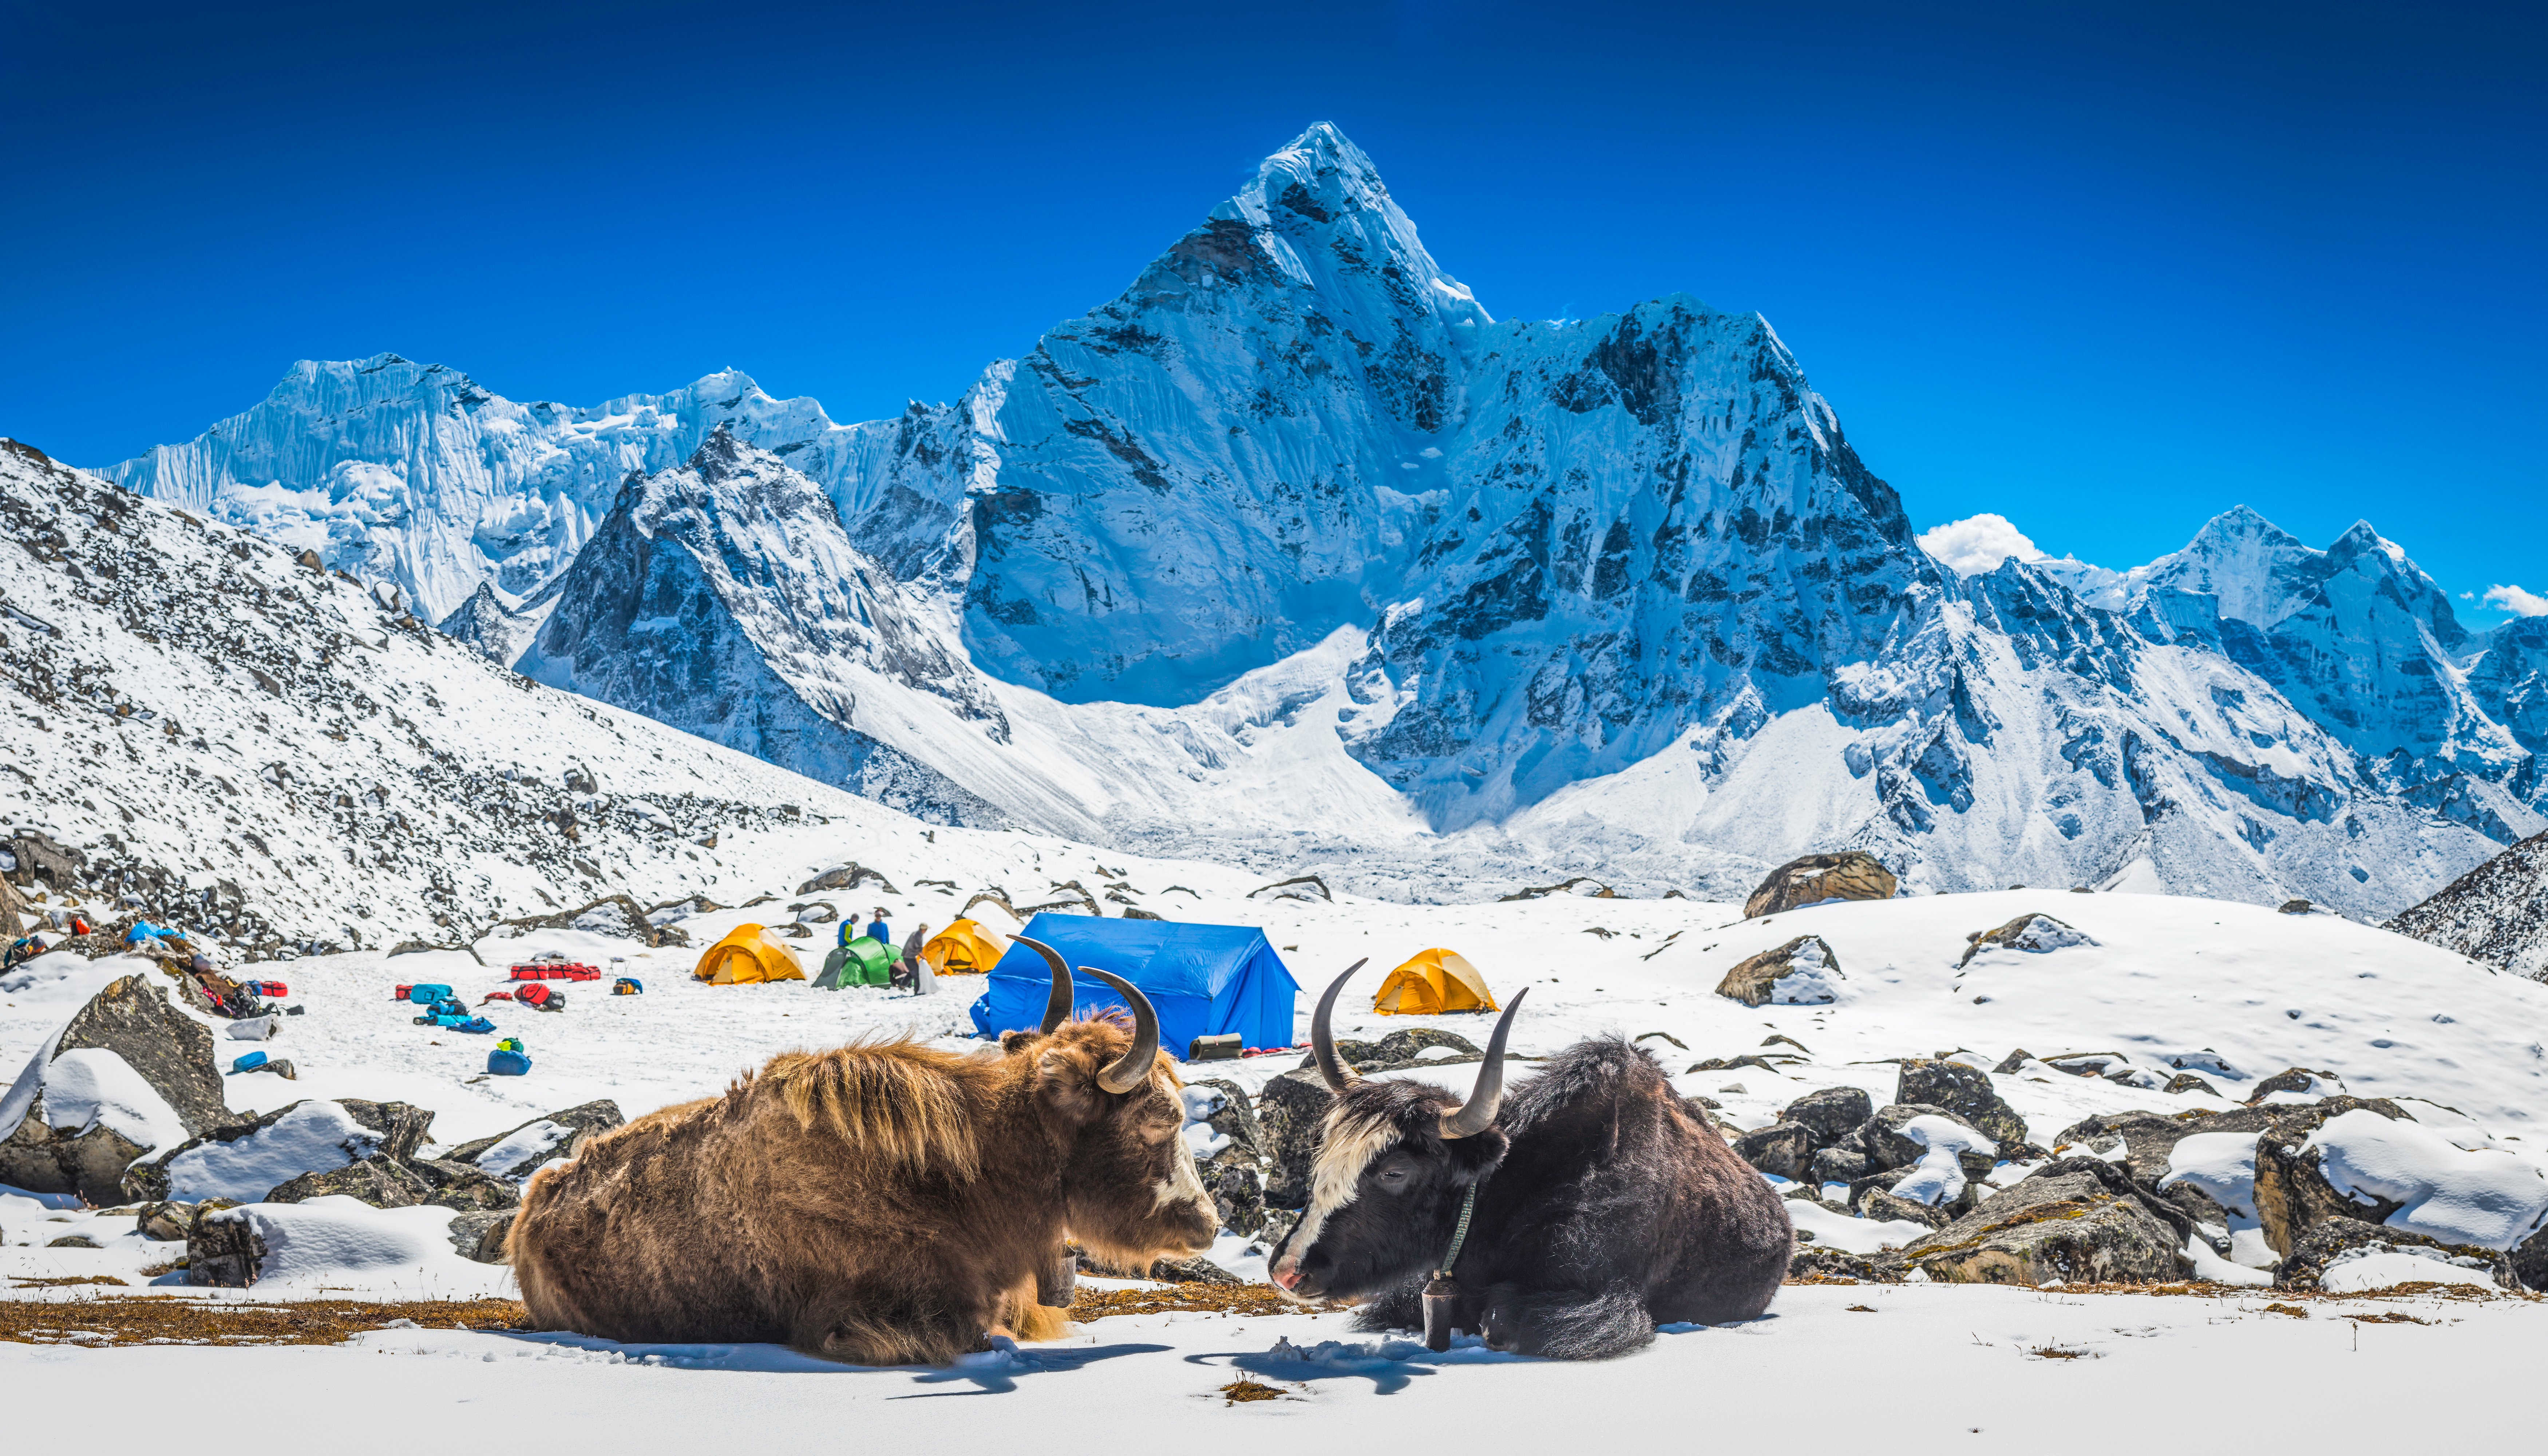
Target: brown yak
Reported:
[(884, 1204)]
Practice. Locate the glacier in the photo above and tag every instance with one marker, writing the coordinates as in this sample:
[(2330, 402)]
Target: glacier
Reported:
[(1293, 553)]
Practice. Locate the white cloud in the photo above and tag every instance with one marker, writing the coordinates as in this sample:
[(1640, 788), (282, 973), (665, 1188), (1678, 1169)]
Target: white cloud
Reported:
[(1977, 543), (2517, 601)]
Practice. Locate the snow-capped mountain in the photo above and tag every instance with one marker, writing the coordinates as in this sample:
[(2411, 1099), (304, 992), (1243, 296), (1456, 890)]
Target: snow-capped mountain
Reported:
[(2369, 647), (413, 475), (1294, 548)]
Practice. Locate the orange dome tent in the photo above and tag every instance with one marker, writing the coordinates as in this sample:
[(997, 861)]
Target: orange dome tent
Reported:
[(966, 947), (750, 952), (1435, 981)]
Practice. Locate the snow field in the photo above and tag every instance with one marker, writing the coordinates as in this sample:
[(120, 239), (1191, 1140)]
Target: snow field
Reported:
[(1933, 1368)]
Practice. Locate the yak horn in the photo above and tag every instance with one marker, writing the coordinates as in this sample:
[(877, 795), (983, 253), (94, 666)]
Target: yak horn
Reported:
[(1322, 1040), (1133, 1068), (1478, 1113), (1057, 1006)]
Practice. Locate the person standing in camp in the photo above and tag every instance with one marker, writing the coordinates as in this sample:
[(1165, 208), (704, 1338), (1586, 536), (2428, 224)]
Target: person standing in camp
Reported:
[(878, 931), (924, 980)]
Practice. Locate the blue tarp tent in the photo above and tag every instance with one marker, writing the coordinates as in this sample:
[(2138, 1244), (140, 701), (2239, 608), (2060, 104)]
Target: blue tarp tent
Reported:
[(1204, 979)]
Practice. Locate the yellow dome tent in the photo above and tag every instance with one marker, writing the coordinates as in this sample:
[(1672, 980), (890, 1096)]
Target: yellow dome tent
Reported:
[(1435, 981), (966, 947), (748, 953)]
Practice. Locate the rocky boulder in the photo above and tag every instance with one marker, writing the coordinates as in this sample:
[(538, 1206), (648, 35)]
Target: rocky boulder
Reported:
[(1964, 1091), (1805, 971), (2035, 934), (1290, 1110), (387, 1182), (1780, 1149), (2333, 1244), (393, 1129), (1815, 1264), (611, 915), (1882, 1205), (164, 1221), (2292, 1194), (223, 1247), (2071, 1222), (518, 1151), (129, 1074), (481, 1236), (1831, 1114), (1851, 875), (1882, 1140), (35, 857), (2297, 1079), (2148, 1138)]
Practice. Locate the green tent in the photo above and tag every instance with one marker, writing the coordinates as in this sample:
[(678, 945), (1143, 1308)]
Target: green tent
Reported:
[(864, 962)]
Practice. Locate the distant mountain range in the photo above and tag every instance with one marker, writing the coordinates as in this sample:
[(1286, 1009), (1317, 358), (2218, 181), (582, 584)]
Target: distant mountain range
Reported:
[(1294, 553)]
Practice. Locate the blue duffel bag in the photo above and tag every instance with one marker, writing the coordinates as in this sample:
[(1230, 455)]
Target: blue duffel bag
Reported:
[(502, 1064)]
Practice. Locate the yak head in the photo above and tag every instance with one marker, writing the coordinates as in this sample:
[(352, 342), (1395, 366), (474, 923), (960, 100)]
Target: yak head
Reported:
[(1395, 1161), (1128, 1186)]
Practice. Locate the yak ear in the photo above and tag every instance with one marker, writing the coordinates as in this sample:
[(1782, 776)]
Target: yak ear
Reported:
[(1012, 1040), (1066, 1081), (1476, 1155)]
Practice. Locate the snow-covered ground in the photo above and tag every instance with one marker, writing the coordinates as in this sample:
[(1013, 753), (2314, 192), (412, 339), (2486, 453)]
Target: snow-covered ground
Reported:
[(1918, 1368), (2233, 992)]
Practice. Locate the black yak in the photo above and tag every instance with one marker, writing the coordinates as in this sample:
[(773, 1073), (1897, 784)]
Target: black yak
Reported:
[(1588, 1206), (875, 1204)]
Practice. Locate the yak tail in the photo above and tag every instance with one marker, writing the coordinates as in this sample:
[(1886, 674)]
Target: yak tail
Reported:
[(896, 1103)]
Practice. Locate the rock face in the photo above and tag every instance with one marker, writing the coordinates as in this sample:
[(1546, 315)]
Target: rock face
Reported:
[(1290, 1110), (2067, 1222), (2325, 1244), (127, 1071), (1853, 875), (1805, 971), (1964, 1091), (2291, 1195)]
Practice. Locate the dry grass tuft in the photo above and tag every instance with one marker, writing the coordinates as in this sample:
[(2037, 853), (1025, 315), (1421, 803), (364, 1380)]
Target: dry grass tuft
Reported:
[(177, 1320), (1243, 1390), (2057, 1352), (63, 1280), (2295, 1310), (1209, 1299)]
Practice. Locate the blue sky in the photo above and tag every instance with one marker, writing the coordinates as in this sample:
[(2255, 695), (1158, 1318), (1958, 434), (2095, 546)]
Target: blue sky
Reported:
[(2104, 269)]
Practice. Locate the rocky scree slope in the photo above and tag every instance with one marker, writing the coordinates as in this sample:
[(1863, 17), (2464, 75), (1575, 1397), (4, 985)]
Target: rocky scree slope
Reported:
[(238, 742), (2496, 913)]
